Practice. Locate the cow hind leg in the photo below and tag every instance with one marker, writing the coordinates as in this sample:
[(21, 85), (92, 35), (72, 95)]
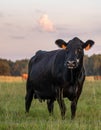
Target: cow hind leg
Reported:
[(28, 100), (50, 106)]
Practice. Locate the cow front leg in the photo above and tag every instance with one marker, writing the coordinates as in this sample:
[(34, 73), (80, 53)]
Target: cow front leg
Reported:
[(61, 103), (50, 106), (73, 108), (75, 101)]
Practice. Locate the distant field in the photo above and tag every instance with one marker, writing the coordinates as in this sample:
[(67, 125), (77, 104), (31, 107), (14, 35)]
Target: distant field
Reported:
[(13, 117), (20, 79), (10, 78)]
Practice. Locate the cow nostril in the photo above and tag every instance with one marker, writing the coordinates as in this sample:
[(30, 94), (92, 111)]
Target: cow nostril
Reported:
[(74, 63), (71, 64)]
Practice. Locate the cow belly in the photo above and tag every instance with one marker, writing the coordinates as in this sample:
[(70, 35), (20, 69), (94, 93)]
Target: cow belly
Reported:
[(44, 91), (44, 95)]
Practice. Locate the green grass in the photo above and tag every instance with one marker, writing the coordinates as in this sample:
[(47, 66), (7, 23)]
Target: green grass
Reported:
[(13, 117)]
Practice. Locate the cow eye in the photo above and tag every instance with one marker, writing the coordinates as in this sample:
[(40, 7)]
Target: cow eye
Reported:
[(79, 50)]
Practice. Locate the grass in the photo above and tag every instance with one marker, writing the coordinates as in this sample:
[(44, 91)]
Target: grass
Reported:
[(13, 117)]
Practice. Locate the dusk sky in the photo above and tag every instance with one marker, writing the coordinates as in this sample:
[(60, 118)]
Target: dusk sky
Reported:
[(30, 25)]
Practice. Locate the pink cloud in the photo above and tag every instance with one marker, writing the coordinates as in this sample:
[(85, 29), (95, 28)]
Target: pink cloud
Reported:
[(46, 24)]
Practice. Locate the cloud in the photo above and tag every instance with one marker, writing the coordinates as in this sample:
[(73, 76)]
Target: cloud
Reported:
[(46, 24)]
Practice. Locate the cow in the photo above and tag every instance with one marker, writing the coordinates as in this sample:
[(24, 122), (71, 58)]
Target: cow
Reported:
[(57, 74)]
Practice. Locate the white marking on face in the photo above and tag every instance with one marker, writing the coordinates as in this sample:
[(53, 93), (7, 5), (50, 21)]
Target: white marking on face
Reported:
[(78, 60)]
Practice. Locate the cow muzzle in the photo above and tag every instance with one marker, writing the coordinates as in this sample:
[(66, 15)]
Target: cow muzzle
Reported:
[(71, 64)]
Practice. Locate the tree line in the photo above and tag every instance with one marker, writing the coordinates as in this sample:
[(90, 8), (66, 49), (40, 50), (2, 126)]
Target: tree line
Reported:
[(10, 68), (92, 66)]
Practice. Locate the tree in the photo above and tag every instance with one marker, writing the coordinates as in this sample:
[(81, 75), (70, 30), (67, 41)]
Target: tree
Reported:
[(4, 67), (93, 64), (20, 67)]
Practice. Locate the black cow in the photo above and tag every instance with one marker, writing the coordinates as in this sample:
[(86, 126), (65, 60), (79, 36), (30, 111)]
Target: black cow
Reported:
[(54, 75)]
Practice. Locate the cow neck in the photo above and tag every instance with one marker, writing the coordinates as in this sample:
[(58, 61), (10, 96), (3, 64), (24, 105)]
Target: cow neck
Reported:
[(74, 74), (71, 71)]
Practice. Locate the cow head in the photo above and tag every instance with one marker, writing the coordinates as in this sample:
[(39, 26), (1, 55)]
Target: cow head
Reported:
[(74, 51)]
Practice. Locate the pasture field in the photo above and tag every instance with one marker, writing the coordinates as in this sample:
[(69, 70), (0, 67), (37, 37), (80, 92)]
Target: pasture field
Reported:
[(13, 117)]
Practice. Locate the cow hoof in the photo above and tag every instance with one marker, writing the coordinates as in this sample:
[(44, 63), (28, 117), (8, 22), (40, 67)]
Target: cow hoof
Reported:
[(63, 117), (26, 112), (72, 118)]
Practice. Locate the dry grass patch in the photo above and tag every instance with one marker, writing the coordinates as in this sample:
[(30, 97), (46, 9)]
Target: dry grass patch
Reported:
[(10, 78)]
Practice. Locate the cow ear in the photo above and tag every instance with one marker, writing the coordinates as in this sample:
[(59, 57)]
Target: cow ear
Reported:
[(61, 43), (88, 45)]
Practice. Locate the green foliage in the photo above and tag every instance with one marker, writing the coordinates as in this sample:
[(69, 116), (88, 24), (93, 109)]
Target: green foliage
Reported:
[(13, 117), (93, 64)]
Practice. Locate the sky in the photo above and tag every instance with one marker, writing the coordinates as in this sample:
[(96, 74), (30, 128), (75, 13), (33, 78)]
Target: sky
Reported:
[(27, 26)]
